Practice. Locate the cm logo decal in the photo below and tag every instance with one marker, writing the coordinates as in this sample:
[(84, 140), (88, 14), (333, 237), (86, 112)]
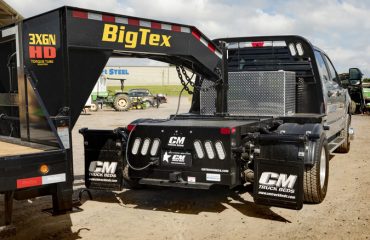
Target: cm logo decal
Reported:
[(103, 167), (130, 39), (277, 180), (176, 141)]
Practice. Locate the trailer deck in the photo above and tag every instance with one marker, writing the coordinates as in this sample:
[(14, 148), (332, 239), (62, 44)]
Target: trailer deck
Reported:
[(9, 149)]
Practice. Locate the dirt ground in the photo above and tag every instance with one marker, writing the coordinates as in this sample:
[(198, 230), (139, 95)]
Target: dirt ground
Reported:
[(200, 214)]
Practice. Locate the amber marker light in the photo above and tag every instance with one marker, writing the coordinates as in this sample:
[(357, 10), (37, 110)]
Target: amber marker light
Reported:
[(44, 169)]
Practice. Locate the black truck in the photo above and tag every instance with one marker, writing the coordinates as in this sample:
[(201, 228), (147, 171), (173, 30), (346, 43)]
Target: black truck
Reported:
[(265, 110)]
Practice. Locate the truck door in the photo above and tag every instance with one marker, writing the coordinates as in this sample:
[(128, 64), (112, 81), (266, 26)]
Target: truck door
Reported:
[(329, 92), (338, 91)]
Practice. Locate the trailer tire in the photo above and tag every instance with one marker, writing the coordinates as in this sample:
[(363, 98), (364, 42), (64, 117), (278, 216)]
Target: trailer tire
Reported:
[(128, 182), (121, 102), (346, 145), (316, 176)]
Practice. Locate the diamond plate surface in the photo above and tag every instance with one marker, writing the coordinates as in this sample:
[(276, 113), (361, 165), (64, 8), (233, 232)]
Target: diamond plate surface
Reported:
[(270, 93)]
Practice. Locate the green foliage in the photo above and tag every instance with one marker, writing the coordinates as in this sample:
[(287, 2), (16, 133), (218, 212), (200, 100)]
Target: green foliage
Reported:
[(169, 90)]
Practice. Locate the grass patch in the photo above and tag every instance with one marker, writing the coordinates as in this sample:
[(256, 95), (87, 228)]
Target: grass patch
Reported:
[(169, 90)]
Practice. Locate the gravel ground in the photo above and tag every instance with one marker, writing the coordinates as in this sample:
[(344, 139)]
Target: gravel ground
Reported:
[(199, 214)]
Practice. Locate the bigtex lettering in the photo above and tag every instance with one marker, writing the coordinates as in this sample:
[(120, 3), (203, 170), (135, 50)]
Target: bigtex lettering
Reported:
[(114, 33)]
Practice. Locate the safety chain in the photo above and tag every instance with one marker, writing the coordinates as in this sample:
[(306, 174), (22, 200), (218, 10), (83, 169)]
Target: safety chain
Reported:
[(182, 73)]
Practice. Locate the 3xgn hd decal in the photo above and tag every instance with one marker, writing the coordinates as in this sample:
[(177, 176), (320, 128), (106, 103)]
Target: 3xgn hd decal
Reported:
[(42, 48)]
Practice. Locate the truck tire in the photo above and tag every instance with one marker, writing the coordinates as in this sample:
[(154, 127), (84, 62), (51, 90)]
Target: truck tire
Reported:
[(315, 180), (346, 145), (121, 102), (127, 181)]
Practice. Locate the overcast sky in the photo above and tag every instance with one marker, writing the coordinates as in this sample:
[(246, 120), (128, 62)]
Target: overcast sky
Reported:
[(341, 28)]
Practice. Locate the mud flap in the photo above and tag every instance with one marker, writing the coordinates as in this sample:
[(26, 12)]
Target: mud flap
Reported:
[(103, 159), (279, 170)]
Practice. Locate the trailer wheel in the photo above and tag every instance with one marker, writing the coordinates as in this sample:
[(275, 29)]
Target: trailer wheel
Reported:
[(346, 145), (121, 102), (315, 181), (128, 182)]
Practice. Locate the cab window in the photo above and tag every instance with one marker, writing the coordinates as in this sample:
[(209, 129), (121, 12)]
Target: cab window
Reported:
[(333, 73), (324, 74)]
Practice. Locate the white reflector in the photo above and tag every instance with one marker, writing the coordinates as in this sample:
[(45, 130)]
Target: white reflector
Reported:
[(299, 49), (199, 149), (292, 49), (220, 150), (209, 150), (135, 146), (232, 45), (145, 147), (279, 43), (155, 146)]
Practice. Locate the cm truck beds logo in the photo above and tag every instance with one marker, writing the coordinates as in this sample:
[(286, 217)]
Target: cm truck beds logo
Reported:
[(130, 39), (278, 182), (176, 141), (42, 48), (103, 169)]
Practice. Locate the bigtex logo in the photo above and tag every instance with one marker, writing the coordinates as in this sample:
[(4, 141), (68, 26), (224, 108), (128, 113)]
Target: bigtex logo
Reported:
[(114, 33)]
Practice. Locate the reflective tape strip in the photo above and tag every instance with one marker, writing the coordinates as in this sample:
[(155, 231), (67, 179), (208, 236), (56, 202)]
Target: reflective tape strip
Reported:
[(29, 182), (54, 178), (94, 16), (42, 180), (8, 32), (148, 24)]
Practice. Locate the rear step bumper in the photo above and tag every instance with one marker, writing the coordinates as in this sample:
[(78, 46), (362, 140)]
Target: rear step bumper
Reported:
[(179, 184)]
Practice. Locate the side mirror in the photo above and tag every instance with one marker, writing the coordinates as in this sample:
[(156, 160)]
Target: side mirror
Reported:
[(355, 74)]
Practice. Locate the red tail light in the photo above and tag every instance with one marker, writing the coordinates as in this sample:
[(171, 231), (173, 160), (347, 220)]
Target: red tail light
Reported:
[(131, 127), (227, 131), (258, 44)]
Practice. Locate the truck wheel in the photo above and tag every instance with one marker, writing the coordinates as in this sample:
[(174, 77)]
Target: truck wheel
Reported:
[(315, 181), (121, 102), (128, 182), (346, 145)]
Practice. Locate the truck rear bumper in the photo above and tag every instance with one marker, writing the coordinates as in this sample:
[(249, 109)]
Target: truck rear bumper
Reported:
[(179, 184)]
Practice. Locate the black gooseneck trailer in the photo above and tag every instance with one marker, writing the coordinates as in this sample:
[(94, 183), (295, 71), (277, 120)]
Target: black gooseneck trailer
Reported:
[(50, 63)]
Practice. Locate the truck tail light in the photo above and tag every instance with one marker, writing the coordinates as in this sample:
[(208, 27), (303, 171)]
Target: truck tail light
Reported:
[(155, 147), (131, 127), (199, 149), (209, 149), (227, 131), (220, 150), (135, 146), (145, 147)]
